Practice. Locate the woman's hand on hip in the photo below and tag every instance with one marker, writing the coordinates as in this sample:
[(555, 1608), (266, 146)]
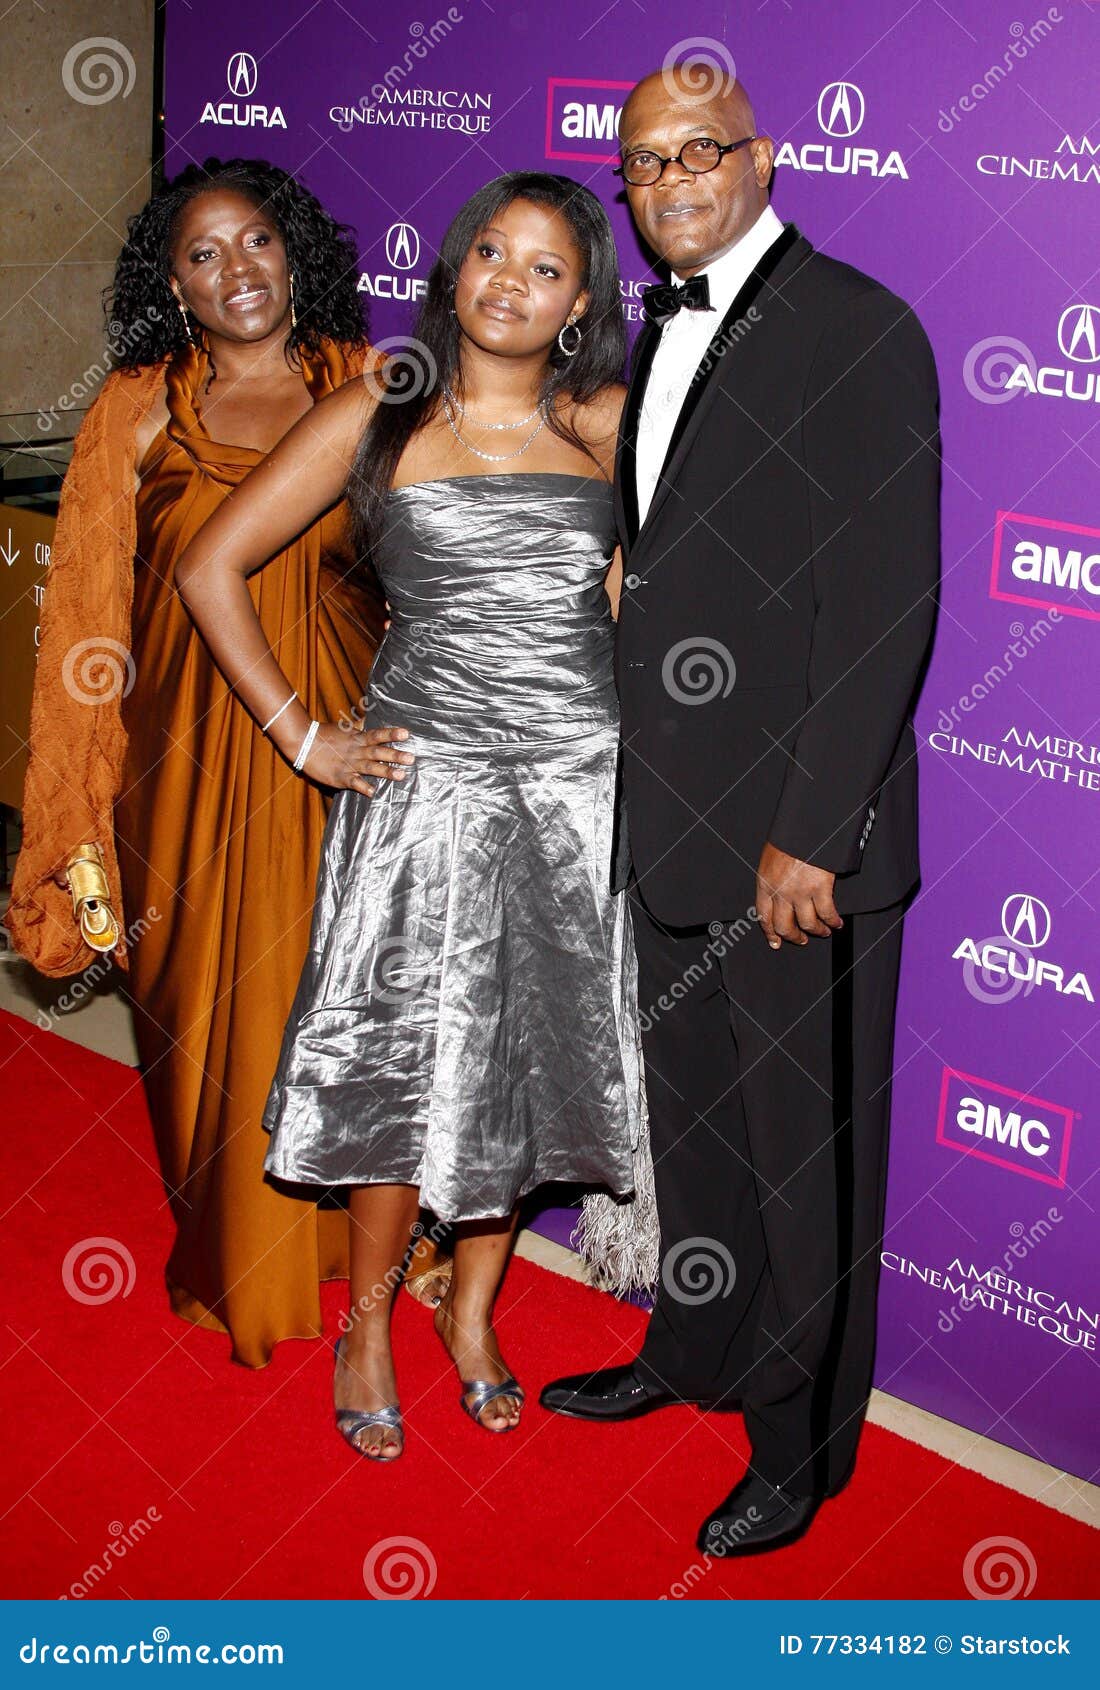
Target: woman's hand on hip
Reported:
[(342, 758)]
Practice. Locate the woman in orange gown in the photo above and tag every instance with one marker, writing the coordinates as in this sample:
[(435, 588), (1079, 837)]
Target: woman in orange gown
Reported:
[(246, 290)]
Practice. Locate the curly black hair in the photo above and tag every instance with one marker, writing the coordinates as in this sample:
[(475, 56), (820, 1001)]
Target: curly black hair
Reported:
[(144, 322)]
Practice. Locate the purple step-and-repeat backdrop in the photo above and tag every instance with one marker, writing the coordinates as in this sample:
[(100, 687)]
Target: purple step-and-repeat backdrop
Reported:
[(953, 151)]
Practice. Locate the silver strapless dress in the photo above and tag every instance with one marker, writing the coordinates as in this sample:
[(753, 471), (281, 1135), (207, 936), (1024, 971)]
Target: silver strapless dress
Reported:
[(466, 1016)]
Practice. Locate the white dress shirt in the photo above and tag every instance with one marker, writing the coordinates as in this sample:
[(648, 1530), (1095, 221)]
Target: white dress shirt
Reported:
[(684, 340)]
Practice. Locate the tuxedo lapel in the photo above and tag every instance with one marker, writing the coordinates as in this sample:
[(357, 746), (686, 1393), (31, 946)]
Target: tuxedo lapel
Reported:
[(704, 383), (626, 468)]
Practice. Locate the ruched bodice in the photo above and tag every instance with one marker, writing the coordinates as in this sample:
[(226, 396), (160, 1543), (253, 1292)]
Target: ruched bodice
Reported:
[(501, 628)]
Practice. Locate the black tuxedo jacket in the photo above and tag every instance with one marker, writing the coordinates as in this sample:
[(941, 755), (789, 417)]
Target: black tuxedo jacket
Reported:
[(778, 599)]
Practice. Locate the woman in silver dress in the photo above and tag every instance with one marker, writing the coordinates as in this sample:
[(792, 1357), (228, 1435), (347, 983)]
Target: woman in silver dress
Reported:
[(465, 1025)]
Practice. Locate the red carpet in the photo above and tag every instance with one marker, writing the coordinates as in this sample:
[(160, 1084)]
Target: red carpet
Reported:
[(118, 1412)]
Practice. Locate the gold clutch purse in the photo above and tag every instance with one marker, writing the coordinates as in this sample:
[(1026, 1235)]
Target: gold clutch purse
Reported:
[(91, 898)]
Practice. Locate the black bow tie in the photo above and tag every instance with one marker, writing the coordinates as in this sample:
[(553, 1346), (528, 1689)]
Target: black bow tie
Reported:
[(664, 299)]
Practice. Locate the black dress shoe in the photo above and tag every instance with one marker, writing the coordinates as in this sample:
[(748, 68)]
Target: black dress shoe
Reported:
[(754, 1518), (615, 1393)]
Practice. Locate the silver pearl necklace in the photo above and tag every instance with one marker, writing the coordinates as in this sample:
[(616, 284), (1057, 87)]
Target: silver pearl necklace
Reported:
[(494, 457)]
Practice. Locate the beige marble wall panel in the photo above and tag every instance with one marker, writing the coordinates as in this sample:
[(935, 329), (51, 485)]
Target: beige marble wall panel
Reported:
[(75, 150)]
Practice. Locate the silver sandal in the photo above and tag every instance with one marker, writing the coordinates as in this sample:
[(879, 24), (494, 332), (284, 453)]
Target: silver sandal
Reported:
[(483, 1394), (351, 1421)]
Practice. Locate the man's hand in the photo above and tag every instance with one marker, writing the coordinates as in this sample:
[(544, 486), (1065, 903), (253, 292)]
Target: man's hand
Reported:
[(794, 899)]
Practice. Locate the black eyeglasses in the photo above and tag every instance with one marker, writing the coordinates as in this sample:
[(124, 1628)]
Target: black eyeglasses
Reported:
[(642, 168)]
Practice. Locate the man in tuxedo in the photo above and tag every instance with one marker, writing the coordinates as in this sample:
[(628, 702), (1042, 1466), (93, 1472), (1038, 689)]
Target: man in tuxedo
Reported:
[(778, 502)]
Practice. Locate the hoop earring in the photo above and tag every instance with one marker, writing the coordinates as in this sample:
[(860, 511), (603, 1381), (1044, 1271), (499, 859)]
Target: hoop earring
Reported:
[(570, 351), (186, 324), (293, 318)]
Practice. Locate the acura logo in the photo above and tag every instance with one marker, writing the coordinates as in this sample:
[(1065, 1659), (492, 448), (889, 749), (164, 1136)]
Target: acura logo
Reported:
[(841, 110), (241, 76), (1078, 326), (1025, 920), (402, 247)]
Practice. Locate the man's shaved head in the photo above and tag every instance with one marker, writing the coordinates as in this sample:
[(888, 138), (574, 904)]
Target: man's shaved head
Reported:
[(695, 87), (690, 220)]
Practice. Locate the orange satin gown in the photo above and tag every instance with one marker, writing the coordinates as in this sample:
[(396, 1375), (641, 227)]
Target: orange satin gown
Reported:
[(219, 842)]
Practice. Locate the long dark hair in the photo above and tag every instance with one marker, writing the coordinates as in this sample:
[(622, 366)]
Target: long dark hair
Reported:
[(144, 320), (412, 382)]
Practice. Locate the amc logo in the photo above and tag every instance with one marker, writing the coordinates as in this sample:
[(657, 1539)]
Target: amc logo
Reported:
[(582, 119), (996, 1124), (1053, 565)]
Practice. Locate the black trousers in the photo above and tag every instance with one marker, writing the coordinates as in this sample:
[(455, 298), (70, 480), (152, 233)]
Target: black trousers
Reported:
[(768, 1078)]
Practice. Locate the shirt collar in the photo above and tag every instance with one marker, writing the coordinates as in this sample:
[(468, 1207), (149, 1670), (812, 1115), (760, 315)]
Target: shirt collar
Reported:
[(728, 274)]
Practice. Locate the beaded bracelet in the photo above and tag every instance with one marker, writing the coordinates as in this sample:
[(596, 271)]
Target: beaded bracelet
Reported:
[(311, 735)]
